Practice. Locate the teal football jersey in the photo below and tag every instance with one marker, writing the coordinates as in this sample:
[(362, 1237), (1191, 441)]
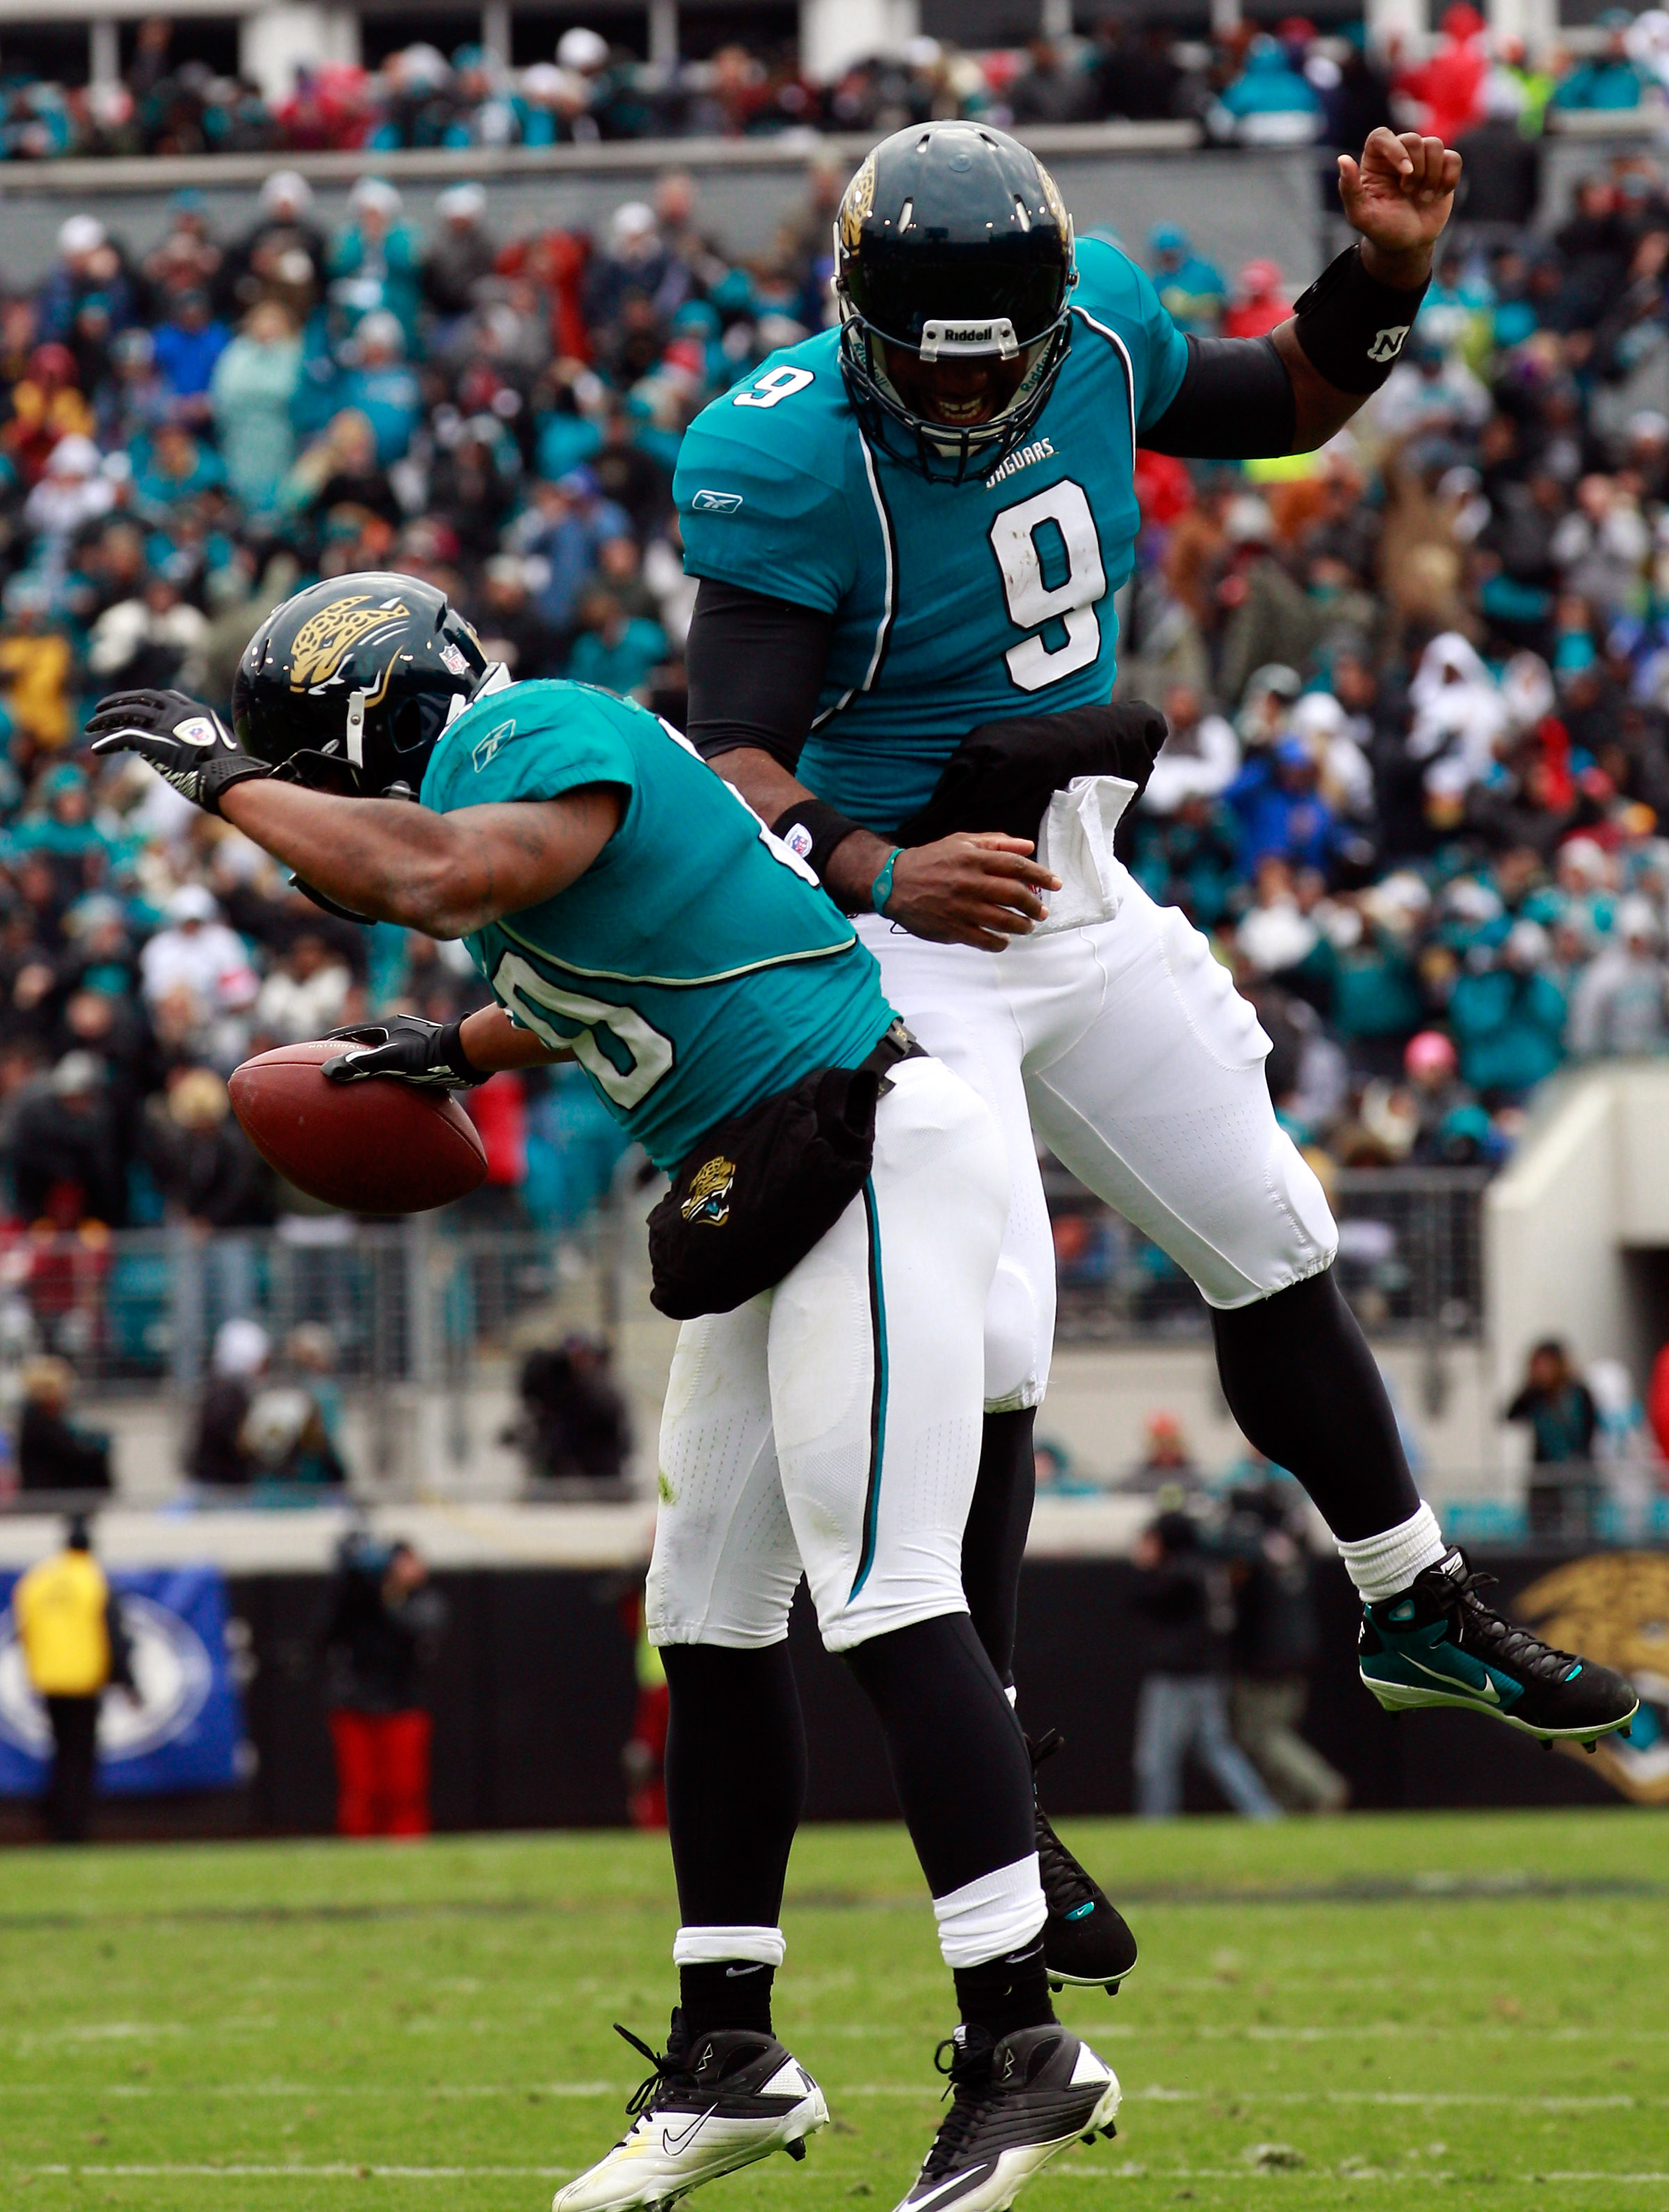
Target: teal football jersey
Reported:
[(696, 967), (955, 604)]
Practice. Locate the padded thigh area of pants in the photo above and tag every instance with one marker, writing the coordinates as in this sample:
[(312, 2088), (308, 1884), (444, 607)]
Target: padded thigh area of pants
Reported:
[(1160, 1107)]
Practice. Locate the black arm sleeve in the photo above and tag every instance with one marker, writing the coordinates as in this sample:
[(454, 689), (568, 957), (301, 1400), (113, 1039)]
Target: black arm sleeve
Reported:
[(756, 668), (1235, 404)]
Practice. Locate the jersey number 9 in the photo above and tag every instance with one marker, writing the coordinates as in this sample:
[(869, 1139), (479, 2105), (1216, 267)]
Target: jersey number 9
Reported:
[(1032, 602)]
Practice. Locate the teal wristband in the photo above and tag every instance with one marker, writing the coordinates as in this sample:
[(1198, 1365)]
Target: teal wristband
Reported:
[(881, 888)]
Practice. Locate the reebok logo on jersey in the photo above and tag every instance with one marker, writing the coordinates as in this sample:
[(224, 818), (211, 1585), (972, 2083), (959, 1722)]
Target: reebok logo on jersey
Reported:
[(484, 748), (1040, 449), (716, 502)]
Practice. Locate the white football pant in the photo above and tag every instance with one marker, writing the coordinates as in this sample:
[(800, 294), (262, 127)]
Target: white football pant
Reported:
[(834, 1423), (1128, 1046)]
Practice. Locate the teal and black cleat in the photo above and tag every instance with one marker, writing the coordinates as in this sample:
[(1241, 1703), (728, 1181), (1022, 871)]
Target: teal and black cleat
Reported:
[(1440, 1644), (1086, 1940)]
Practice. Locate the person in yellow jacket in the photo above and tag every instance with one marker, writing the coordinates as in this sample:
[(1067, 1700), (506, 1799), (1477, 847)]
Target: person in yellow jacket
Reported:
[(69, 1627)]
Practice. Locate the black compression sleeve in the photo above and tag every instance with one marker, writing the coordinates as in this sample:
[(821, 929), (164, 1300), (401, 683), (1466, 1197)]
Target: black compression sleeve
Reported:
[(1235, 404), (756, 668)]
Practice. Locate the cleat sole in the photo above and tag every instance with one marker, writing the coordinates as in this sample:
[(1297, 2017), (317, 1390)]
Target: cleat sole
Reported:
[(796, 2149), (1061, 1981), (1398, 1697)]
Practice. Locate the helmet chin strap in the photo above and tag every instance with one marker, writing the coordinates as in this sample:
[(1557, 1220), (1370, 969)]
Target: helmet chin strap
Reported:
[(356, 728)]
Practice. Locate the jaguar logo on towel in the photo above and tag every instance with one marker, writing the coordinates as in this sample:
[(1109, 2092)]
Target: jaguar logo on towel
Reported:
[(1615, 1607), (708, 1203), (324, 639)]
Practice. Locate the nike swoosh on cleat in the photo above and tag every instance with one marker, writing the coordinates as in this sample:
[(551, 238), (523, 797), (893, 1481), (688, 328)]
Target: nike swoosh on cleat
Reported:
[(672, 2144), (959, 2184), (1489, 1695)]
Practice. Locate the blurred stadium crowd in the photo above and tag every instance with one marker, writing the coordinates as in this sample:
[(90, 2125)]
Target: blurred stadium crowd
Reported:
[(1418, 685), (1245, 86)]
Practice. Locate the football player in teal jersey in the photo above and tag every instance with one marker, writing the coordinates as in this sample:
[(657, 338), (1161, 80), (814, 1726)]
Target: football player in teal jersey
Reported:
[(625, 907), (909, 531)]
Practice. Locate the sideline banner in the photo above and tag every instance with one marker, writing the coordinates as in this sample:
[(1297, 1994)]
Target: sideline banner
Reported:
[(185, 1731)]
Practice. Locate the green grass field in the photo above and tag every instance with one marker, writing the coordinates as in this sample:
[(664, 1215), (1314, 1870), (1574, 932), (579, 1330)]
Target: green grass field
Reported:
[(1371, 2011)]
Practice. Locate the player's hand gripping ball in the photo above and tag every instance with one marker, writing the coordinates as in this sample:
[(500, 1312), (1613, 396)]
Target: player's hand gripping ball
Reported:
[(381, 1145), (406, 1045)]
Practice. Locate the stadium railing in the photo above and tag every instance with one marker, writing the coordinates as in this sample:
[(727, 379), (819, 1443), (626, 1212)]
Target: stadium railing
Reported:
[(421, 1302), (1411, 1261)]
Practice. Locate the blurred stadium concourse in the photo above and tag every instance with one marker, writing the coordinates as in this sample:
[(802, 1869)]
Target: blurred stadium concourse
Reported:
[(284, 293)]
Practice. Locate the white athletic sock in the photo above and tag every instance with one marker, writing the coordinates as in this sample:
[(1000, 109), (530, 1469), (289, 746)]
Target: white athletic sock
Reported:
[(710, 1946), (1002, 1910), (1383, 1566)]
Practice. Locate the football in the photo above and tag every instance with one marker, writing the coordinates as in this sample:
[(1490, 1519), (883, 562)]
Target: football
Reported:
[(375, 1147)]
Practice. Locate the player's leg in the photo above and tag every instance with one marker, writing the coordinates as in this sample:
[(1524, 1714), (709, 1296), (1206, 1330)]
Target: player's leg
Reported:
[(1232, 1770), (407, 1738), (955, 1002), (352, 1738), (1148, 1084), (721, 1580), (877, 1375)]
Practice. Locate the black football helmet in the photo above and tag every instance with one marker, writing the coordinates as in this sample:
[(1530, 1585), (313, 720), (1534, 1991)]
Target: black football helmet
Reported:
[(348, 686), (952, 240)]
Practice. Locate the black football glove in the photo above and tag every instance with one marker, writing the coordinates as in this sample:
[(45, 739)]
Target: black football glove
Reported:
[(186, 743), (429, 1053)]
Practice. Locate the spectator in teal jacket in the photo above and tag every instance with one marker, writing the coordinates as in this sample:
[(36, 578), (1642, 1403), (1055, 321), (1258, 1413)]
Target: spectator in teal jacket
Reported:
[(1608, 79), (615, 650), (1269, 104), (1508, 1019), (378, 260), (379, 384), (1192, 290)]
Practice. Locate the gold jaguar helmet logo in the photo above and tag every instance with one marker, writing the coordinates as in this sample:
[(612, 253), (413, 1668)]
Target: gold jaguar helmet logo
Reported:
[(1052, 201), (708, 1202), (856, 204), (324, 639), (1614, 1608)]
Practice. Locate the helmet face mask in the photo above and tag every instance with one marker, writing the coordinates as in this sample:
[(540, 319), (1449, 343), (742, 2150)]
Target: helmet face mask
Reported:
[(348, 687), (951, 244)]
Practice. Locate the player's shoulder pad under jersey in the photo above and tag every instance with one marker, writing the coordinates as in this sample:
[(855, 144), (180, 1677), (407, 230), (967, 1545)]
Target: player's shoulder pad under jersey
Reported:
[(532, 740), (763, 478), (1114, 293)]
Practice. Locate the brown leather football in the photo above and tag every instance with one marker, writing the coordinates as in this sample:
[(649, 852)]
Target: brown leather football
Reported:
[(377, 1146)]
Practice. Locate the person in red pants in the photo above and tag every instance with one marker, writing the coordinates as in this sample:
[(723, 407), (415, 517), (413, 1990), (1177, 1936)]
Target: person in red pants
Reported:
[(382, 1627)]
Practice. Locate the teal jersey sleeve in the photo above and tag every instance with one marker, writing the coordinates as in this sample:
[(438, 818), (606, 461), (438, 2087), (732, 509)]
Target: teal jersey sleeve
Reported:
[(762, 482), (1115, 292), (536, 744)]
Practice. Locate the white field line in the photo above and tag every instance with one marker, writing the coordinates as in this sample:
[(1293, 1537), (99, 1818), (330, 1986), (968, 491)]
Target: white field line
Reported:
[(427, 2090), (338, 2170), (345, 2170)]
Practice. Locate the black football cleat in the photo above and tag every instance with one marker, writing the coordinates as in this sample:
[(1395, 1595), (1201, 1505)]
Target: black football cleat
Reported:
[(1086, 1941), (713, 2103), (1439, 1644), (1016, 2104)]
